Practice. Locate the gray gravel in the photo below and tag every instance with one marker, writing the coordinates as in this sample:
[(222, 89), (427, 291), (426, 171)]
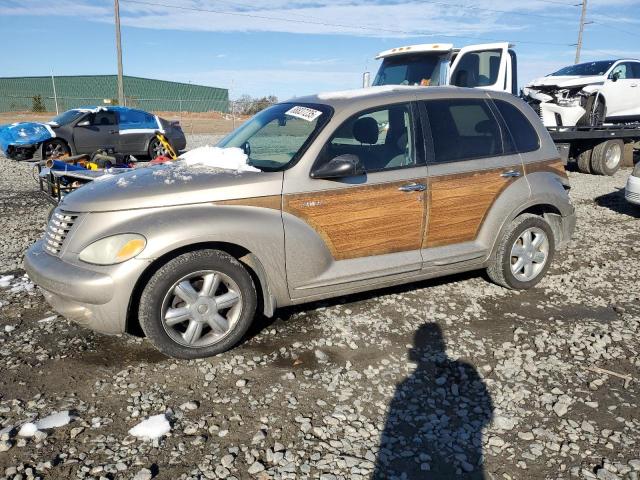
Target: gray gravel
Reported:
[(451, 378)]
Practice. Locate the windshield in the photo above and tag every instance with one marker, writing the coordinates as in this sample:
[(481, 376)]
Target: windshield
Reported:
[(585, 69), (424, 70), (278, 135), (66, 117)]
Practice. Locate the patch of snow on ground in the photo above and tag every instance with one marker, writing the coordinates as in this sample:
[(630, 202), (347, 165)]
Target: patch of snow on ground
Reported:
[(28, 430), (5, 281), (48, 319), (152, 428), (55, 420), (226, 158)]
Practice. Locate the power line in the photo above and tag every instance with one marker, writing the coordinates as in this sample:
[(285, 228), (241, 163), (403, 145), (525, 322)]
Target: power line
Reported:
[(330, 24)]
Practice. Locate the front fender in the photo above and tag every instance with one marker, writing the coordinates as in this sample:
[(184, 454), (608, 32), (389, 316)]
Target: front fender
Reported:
[(257, 230)]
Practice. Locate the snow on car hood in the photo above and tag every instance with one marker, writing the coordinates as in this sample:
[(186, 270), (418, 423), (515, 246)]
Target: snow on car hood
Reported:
[(172, 184), (566, 81), (24, 133)]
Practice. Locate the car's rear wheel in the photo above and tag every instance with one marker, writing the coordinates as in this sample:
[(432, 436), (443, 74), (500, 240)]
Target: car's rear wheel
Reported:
[(524, 253), (584, 161), (197, 305), (55, 148), (607, 157), (156, 149)]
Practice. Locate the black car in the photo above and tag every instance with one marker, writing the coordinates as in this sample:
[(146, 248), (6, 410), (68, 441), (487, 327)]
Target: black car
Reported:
[(85, 130)]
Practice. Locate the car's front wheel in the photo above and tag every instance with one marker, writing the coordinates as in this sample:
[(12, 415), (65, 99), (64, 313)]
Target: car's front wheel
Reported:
[(524, 253), (197, 305), (55, 148)]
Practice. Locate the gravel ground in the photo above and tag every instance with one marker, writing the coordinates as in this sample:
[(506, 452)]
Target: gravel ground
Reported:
[(441, 379)]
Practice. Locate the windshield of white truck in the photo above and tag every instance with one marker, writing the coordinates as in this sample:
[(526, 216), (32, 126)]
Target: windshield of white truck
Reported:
[(423, 70)]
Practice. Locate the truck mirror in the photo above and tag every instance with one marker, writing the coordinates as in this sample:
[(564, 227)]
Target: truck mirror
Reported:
[(366, 79)]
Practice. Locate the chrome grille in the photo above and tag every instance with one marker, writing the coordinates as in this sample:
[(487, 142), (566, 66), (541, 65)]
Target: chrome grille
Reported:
[(57, 230)]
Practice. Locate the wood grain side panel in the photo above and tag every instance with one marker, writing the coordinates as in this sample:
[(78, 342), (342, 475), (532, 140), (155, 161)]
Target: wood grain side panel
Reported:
[(273, 202), (362, 221), (458, 204), (552, 166)]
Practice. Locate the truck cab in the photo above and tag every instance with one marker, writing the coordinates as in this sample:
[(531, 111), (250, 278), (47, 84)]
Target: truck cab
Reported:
[(491, 66)]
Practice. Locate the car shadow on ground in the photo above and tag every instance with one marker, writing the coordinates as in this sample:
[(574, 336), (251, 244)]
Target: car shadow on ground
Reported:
[(615, 201), (285, 313), (435, 421)]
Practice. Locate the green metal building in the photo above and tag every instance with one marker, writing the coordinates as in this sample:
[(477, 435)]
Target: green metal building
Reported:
[(37, 93)]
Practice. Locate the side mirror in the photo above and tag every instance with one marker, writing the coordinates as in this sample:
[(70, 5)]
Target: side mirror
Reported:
[(342, 166), (615, 76), (84, 123), (366, 79)]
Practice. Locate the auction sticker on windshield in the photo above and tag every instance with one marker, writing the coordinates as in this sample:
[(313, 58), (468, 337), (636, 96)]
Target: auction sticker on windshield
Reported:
[(305, 113)]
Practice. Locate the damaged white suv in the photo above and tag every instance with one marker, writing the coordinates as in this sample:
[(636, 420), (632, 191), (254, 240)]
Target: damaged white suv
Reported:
[(588, 94)]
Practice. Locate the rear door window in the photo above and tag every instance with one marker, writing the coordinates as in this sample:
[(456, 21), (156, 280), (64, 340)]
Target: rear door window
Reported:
[(524, 137), (463, 129)]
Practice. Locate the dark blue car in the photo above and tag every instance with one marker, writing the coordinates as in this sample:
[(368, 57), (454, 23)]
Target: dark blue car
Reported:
[(85, 130)]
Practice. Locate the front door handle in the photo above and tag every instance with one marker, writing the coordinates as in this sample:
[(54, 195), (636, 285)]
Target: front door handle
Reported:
[(113, 132), (413, 187), (511, 174)]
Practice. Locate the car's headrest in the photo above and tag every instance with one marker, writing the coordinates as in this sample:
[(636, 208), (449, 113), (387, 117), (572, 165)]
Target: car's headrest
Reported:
[(365, 130)]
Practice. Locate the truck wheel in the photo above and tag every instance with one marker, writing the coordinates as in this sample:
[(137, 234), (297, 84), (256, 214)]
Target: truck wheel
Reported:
[(607, 157), (197, 305), (524, 253), (584, 161)]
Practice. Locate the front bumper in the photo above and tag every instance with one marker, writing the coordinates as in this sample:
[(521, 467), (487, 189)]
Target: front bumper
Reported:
[(632, 191), (554, 115), (96, 297)]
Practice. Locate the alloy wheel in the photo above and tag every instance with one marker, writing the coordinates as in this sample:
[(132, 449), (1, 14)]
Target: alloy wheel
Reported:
[(529, 254), (613, 156), (202, 308)]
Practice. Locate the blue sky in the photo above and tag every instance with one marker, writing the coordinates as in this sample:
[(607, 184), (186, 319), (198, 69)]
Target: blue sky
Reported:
[(295, 48)]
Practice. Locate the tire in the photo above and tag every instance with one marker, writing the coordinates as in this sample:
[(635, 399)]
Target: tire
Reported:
[(55, 148), (195, 327), (156, 149), (607, 157), (584, 161), (501, 269), (595, 113)]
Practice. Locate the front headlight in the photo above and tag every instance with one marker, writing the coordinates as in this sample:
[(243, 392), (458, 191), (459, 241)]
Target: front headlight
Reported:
[(115, 249)]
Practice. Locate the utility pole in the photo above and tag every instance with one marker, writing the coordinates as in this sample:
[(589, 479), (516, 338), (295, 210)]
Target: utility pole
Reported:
[(121, 100), (581, 31)]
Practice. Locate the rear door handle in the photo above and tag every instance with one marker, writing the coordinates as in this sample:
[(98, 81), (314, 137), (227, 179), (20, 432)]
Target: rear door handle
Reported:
[(413, 187), (511, 174)]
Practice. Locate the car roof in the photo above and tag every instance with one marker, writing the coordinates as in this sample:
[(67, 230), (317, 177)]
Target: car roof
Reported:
[(372, 96)]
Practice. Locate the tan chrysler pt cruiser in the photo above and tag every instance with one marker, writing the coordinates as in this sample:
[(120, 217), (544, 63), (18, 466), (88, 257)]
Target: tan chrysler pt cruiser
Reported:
[(341, 192)]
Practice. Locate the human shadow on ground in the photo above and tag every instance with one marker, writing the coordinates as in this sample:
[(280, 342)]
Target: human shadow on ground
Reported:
[(435, 421)]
